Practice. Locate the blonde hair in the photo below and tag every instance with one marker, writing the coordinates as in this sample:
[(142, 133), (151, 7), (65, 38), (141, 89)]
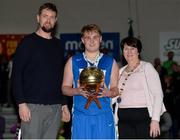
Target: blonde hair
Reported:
[(90, 28)]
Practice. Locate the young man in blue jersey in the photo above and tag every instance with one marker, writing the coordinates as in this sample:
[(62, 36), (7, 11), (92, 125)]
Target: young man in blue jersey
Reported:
[(37, 78), (92, 122)]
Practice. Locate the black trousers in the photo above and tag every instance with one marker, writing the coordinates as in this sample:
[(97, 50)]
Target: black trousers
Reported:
[(133, 123)]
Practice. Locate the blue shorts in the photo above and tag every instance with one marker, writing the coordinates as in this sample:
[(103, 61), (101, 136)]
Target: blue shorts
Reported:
[(99, 126)]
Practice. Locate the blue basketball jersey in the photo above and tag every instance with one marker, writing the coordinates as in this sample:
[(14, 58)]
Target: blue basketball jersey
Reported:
[(78, 64)]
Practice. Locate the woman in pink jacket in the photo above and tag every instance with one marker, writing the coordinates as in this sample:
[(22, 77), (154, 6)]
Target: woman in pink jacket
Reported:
[(140, 103)]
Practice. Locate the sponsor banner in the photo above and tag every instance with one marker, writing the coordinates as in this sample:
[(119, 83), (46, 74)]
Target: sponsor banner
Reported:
[(9, 43), (170, 41), (72, 43)]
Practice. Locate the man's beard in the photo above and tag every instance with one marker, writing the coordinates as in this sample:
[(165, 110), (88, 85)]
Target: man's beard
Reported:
[(47, 30)]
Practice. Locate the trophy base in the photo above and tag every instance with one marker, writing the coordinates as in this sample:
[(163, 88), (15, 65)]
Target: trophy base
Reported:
[(92, 98)]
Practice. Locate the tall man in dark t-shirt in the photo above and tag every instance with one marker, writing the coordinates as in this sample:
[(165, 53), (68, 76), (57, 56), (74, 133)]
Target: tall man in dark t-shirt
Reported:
[(37, 78)]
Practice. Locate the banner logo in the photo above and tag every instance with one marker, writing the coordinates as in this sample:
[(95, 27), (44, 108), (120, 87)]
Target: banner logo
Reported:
[(72, 43)]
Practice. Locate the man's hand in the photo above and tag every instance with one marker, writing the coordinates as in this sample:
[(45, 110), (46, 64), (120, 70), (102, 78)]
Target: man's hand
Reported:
[(105, 92), (65, 114), (24, 112), (82, 92)]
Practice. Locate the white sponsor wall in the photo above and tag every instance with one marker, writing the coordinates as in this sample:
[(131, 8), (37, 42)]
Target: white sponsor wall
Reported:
[(170, 41)]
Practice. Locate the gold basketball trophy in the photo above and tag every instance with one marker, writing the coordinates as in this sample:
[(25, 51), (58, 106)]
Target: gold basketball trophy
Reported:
[(92, 78)]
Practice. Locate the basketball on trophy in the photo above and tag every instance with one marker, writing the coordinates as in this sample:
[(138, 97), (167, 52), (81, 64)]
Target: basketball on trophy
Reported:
[(92, 78)]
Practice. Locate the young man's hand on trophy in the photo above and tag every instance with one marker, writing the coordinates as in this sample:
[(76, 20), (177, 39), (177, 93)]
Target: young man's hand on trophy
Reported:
[(105, 92)]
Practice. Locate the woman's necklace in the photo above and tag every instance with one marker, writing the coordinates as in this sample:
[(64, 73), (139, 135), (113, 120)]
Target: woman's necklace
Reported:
[(94, 60), (129, 72), (122, 86), (132, 68)]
